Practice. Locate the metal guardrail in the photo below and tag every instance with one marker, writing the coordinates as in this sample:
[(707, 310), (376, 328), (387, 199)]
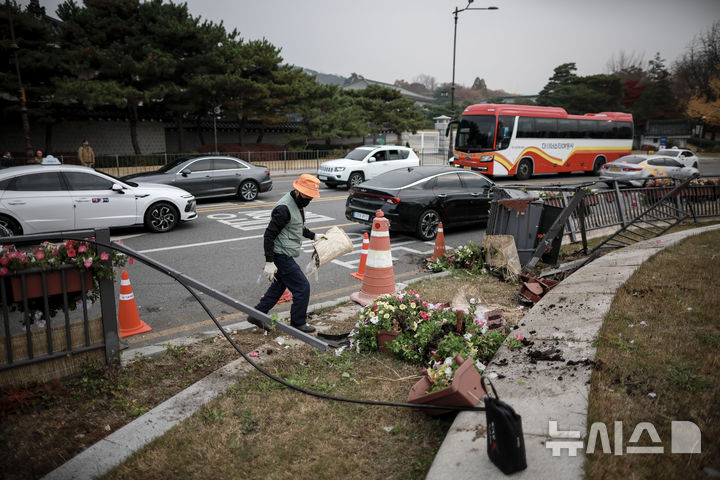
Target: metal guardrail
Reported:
[(617, 206)]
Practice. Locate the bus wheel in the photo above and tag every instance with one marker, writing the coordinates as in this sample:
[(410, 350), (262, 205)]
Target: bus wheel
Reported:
[(599, 162), (524, 170)]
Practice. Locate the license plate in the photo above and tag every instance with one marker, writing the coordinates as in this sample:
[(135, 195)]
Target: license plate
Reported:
[(361, 216), (322, 177), (614, 169), (467, 168)]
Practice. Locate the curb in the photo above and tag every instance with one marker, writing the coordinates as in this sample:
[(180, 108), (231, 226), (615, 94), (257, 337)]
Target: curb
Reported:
[(567, 321)]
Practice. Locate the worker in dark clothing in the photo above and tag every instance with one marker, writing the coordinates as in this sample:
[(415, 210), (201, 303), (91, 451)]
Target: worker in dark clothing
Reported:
[(281, 241)]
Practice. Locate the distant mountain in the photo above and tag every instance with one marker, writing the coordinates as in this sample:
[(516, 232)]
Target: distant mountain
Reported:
[(325, 79)]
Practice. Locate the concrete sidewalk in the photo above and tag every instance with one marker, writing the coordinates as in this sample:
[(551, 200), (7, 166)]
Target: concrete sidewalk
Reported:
[(566, 321)]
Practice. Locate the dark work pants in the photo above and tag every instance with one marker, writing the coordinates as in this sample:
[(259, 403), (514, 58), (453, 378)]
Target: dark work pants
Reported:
[(290, 276)]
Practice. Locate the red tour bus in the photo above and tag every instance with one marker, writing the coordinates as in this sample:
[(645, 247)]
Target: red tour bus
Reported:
[(521, 140)]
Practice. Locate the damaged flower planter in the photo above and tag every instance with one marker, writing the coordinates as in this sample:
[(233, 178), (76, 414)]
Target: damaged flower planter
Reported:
[(466, 389), (384, 337)]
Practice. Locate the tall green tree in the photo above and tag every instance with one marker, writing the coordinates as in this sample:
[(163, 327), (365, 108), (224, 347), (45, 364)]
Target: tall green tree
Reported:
[(579, 95), (39, 62), (386, 108), (116, 51)]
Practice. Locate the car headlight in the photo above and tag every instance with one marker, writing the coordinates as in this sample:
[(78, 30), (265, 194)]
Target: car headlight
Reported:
[(338, 169)]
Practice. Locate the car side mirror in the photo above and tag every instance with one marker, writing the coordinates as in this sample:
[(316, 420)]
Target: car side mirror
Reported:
[(371, 159), (118, 188), (185, 173)]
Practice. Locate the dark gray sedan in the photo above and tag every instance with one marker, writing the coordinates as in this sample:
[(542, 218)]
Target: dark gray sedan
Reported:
[(211, 176)]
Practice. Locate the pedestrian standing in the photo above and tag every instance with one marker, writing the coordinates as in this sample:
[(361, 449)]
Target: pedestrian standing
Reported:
[(7, 160), (37, 159), (86, 155), (281, 243)]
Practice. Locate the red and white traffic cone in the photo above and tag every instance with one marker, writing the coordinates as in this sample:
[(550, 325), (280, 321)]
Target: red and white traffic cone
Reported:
[(363, 258), (379, 277), (128, 317), (439, 244)]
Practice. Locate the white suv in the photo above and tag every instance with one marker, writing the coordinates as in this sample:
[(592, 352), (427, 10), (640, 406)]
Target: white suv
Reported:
[(364, 163)]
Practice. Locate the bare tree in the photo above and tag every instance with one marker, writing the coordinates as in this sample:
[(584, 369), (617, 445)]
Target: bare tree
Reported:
[(627, 65), (427, 81), (697, 68)]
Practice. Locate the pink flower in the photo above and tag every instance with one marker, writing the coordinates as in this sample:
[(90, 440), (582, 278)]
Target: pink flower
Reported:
[(39, 254), (3, 271), (88, 262), (71, 252), (519, 337), (82, 249), (104, 256), (4, 260)]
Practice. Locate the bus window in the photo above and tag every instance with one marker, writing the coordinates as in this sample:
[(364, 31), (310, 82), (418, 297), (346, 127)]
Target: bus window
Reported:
[(526, 127), (476, 133), (604, 130), (546, 127), (567, 128), (504, 131), (624, 130), (587, 128)]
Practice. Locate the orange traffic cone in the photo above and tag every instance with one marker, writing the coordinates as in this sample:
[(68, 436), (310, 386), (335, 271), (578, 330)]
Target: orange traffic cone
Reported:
[(379, 277), (285, 297), (439, 244), (363, 258), (128, 317)]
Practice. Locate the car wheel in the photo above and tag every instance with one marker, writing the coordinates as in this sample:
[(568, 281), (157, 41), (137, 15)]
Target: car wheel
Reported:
[(427, 224), (331, 185), (356, 178), (161, 217), (524, 170), (248, 191), (599, 162), (8, 227)]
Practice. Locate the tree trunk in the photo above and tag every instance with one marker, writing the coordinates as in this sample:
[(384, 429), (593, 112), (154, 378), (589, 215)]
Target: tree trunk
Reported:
[(241, 133), (48, 139), (181, 132), (261, 134), (201, 136), (132, 107)]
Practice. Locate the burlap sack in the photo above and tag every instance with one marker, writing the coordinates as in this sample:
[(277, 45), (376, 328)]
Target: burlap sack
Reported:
[(336, 244), (502, 253)]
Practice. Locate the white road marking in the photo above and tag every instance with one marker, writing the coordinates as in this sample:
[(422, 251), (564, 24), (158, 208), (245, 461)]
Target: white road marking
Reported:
[(258, 219)]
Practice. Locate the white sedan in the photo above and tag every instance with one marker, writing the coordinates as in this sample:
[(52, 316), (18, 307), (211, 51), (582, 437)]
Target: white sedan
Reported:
[(686, 157), (50, 198), (636, 170)]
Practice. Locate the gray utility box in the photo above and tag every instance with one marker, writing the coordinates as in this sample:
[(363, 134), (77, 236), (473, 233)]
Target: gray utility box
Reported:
[(514, 212)]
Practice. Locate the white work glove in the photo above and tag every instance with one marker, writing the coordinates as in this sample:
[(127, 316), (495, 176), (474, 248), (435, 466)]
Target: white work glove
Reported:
[(270, 270)]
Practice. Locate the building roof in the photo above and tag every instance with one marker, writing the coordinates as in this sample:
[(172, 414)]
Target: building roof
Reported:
[(358, 82)]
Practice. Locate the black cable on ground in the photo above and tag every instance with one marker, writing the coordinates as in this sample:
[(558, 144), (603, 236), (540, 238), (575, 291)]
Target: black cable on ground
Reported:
[(149, 262)]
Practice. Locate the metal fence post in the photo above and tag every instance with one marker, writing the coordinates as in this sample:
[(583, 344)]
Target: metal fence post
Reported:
[(107, 303), (117, 164), (618, 199), (569, 222), (285, 160)]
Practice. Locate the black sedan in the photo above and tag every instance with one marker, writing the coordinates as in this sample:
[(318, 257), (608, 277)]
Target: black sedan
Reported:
[(211, 176), (416, 199)]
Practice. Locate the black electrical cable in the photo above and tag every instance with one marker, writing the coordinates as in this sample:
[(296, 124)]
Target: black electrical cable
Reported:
[(149, 262)]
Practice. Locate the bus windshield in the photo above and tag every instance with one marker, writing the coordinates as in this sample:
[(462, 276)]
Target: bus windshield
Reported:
[(476, 133)]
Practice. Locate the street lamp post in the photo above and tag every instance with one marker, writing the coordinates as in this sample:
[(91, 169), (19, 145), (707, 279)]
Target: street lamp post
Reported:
[(455, 14), (452, 87)]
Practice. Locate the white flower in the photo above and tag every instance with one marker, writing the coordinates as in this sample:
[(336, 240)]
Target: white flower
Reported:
[(374, 320), (484, 330), (479, 365), (467, 336), (448, 361), (472, 301), (448, 371)]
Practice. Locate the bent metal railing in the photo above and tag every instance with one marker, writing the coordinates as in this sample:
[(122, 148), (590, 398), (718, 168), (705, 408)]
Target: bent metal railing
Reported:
[(110, 341)]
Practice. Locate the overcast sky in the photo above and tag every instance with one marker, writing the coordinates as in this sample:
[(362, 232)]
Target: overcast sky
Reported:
[(515, 48)]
